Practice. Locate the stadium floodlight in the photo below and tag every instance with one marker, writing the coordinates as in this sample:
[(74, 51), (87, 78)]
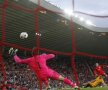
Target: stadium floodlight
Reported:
[(69, 12), (88, 22), (81, 19), (76, 15)]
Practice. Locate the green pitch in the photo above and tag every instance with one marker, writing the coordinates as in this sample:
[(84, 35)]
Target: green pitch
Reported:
[(97, 88)]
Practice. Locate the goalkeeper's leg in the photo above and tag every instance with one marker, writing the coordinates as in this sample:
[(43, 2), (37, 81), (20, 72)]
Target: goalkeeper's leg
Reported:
[(67, 81), (56, 76)]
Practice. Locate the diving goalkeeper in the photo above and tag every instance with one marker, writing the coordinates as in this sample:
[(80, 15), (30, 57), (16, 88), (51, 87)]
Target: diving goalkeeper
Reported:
[(38, 64)]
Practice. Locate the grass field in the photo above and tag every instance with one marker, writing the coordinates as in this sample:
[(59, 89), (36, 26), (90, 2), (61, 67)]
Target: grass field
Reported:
[(97, 88)]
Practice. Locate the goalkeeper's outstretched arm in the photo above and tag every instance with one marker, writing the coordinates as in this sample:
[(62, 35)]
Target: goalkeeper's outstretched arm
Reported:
[(48, 56), (22, 61)]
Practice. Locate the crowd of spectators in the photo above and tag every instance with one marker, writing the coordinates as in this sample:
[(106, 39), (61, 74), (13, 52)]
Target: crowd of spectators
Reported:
[(20, 74)]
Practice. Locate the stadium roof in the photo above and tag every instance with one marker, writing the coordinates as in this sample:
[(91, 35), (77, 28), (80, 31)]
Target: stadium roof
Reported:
[(52, 7), (54, 30)]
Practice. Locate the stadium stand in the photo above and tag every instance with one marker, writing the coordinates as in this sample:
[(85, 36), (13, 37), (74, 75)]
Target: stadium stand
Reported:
[(56, 35)]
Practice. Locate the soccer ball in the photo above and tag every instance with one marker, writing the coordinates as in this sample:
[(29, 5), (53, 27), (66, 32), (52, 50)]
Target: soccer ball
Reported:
[(23, 35)]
